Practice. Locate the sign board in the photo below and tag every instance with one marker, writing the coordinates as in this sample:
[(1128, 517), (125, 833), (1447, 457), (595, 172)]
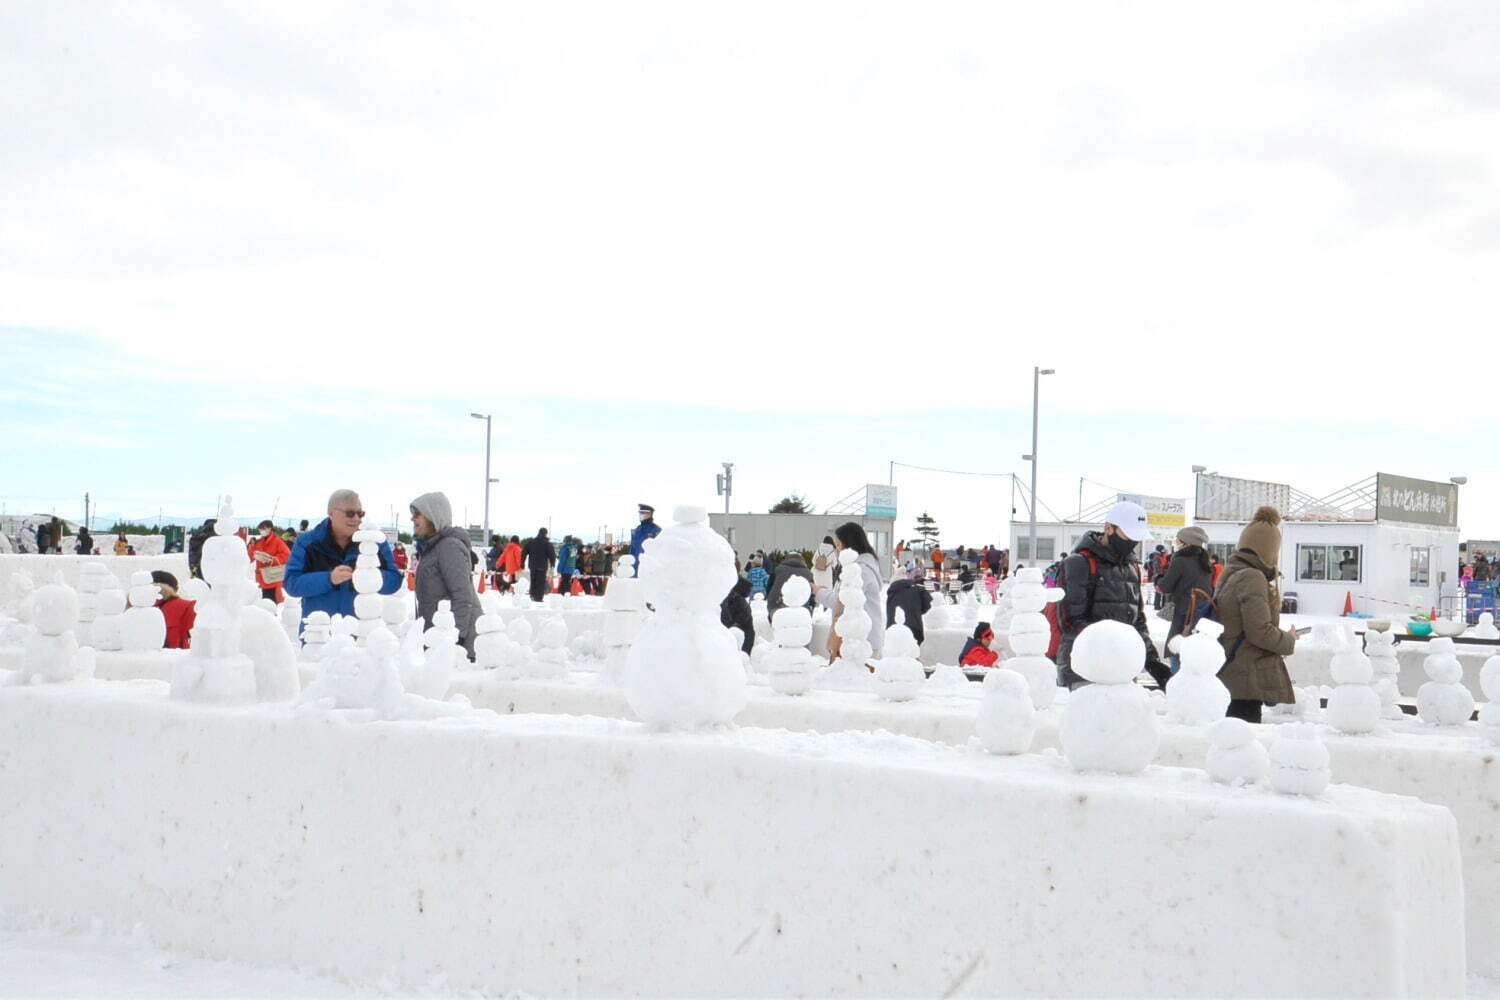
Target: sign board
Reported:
[(1164, 515), (880, 500), (391, 536), (1416, 501), (1224, 498)]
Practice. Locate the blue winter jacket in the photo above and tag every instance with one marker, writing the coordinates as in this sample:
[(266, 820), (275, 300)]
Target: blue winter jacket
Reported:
[(314, 556), (638, 536), (567, 559)]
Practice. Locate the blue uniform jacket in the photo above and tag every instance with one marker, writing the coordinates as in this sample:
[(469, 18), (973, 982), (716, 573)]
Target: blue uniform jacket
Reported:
[(567, 562), (638, 536), (314, 557)]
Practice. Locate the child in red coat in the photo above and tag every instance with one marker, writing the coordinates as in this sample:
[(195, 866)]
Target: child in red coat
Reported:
[(977, 652), (179, 612)]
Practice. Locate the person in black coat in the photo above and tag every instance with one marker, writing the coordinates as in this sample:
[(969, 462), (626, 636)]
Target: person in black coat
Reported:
[(790, 566), (1190, 569), (540, 559), (195, 548), (911, 597), (734, 612), (84, 546)]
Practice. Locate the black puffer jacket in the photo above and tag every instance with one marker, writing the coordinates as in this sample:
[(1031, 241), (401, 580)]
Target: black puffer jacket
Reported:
[(1185, 573), (913, 598), (789, 567), (734, 612), (1117, 597)]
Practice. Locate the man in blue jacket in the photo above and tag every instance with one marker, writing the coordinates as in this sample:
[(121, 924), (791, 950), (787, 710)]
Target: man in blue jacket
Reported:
[(648, 528), (321, 566)]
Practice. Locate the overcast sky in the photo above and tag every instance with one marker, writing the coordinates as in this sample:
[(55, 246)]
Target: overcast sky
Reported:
[(272, 249)]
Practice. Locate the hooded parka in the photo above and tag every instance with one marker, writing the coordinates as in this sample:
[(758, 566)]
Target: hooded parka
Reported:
[(1249, 604), (445, 568)]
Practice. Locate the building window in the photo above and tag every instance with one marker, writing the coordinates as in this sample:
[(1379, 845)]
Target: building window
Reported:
[(1340, 563), (1045, 547), (1421, 566), (1221, 549)]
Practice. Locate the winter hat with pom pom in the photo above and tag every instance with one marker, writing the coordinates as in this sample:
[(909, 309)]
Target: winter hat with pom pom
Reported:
[(1263, 536)]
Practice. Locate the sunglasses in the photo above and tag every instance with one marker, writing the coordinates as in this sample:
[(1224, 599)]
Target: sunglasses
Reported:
[(352, 513)]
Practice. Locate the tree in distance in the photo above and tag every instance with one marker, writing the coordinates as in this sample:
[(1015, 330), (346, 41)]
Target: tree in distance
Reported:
[(927, 527), (792, 504)]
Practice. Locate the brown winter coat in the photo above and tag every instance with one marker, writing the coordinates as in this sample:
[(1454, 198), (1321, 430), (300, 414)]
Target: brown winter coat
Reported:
[(1250, 605)]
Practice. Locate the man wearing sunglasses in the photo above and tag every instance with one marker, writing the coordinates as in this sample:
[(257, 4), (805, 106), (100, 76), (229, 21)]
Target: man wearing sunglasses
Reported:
[(321, 566)]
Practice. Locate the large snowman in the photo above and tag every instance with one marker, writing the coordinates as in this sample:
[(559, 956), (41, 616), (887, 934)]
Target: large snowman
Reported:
[(1109, 724), (215, 669), (683, 671)]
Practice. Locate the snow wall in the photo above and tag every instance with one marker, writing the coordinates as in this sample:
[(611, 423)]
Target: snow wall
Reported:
[(559, 855), (43, 569)]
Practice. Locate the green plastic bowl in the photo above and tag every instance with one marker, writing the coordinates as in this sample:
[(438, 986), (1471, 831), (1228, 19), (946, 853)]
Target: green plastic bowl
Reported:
[(1419, 628)]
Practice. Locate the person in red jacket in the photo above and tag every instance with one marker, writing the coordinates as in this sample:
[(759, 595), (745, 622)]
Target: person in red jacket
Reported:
[(510, 561), (269, 553), (179, 612), (977, 652)]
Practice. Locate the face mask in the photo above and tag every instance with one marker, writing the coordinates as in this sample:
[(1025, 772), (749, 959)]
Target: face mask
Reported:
[(265, 534), (1121, 546)]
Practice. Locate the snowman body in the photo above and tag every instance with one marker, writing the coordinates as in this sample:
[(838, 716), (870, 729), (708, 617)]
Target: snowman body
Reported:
[(1354, 707), (550, 660), (789, 665), (142, 628), (849, 672), (1109, 724), (683, 670), (1489, 715), (1486, 628), (317, 629), (1195, 695), (1235, 756), (110, 619), (1006, 723), (1030, 635), (490, 640), (430, 676), (93, 579), (898, 672), (1380, 647), (1299, 760), (51, 652), (215, 670), (1443, 700), (624, 616)]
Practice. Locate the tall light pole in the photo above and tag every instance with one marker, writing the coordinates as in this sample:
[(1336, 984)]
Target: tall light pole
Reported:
[(726, 483), (487, 480), (1036, 391)]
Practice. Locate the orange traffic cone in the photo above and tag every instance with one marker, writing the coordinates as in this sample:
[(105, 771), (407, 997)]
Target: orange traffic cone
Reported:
[(577, 588), (1348, 603), (481, 581), (411, 579)]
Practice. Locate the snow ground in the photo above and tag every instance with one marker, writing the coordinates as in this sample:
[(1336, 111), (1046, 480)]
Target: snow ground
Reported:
[(38, 961), (41, 962)]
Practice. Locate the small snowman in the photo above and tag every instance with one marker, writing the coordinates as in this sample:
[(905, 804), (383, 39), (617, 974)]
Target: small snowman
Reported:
[(317, 629), (93, 579), (1486, 628), (1006, 722), (1443, 700), (369, 605), (1489, 715), (519, 632), (898, 672), (624, 616), (110, 619), (1380, 647), (215, 669), (396, 616), (682, 671), (550, 661), (1109, 724), (52, 652), (431, 678), (850, 671), (490, 642), (1299, 760), (1030, 635), (789, 665), (1196, 696), (1353, 707), (143, 629), (1235, 756)]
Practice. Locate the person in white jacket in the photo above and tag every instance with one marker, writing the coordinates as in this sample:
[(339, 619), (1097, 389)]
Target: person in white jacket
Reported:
[(824, 560), (851, 536)]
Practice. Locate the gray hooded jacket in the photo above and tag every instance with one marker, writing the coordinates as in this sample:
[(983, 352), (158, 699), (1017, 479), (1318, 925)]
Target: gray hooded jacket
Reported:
[(445, 569)]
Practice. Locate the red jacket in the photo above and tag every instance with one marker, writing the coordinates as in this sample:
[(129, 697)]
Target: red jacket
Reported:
[(273, 546), (180, 615), (510, 559), (980, 657)]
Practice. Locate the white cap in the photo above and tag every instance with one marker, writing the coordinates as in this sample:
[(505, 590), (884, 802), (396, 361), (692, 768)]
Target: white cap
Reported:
[(1131, 519)]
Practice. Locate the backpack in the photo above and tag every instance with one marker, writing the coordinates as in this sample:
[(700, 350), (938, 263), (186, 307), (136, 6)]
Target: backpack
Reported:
[(1057, 616), (820, 562), (1201, 606)]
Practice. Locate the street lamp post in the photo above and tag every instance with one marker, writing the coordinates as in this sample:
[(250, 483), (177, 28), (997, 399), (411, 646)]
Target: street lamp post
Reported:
[(487, 480), (1036, 391)]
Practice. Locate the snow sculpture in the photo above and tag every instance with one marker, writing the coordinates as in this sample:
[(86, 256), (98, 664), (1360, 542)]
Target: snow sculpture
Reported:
[(1489, 715), (93, 579), (1353, 707), (1235, 756), (682, 671), (1305, 705), (789, 665), (355, 678), (491, 644), (369, 605), (317, 629), (52, 652), (849, 672), (1299, 760), (550, 660), (1486, 628), (969, 605), (1109, 724), (1380, 647), (1006, 722), (898, 672), (519, 632), (264, 640), (1196, 696), (23, 605), (936, 617), (624, 607), (110, 618), (760, 618), (143, 628), (1443, 700), (430, 675), (947, 679), (1030, 634), (1004, 610), (215, 670), (290, 615)]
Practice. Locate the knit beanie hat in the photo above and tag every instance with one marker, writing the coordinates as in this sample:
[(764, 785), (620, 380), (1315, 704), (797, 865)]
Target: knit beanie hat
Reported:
[(1193, 535), (1263, 537)]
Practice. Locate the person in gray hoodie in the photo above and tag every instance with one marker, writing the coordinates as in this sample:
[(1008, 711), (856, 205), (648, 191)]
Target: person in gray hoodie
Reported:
[(445, 565)]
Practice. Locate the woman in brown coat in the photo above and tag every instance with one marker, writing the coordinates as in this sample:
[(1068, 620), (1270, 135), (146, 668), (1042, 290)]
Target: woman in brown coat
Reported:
[(1249, 605)]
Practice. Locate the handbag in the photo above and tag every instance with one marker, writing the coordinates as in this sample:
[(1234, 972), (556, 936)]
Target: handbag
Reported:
[(273, 574)]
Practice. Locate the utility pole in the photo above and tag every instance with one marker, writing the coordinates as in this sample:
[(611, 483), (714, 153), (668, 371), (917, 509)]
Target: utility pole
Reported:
[(86, 523), (726, 483), (487, 480), (1036, 390)]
